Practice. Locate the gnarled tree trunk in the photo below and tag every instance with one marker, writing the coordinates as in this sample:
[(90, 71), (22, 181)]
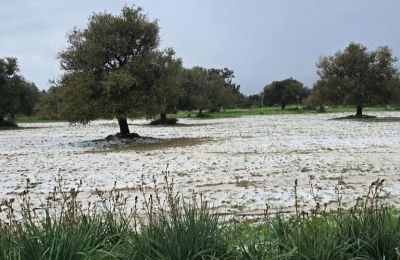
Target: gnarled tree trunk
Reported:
[(359, 110), (123, 126)]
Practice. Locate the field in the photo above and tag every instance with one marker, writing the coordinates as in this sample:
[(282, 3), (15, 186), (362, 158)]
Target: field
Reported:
[(238, 164)]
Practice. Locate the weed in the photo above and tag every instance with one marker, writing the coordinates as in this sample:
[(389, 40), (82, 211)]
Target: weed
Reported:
[(169, 227)]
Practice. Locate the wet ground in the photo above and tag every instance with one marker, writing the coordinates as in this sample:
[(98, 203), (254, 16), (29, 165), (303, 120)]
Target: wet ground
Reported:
[(238, 164)]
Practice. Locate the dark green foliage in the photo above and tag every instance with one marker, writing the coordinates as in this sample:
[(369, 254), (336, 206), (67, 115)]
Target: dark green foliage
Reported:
[(50, 104), (165, 81), (285, 92), (17, 96), (252, 101), (107, 67), (226, 96), (114, 70), (234, 98), (208, 89), (358, 77)]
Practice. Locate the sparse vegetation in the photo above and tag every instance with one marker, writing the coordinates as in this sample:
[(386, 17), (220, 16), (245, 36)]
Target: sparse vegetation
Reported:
[(169, 227), (143, 144), (17, 96)]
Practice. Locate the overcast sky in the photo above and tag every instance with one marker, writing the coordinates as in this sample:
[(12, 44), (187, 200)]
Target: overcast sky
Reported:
[(261, 40)]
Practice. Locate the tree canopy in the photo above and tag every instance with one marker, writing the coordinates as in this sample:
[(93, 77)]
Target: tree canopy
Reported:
[(288, 91), (207, 89), (356, 76), (106, 67), (114, 69), (165, 81), (17, 96)]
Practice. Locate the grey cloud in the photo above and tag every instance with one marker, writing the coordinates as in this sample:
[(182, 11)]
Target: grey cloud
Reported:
[(261, 40)]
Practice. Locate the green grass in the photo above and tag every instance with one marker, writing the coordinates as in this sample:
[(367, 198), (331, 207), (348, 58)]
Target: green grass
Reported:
[(241, 112), (197, 234), (274, 110), (361, 235), (175, 229)]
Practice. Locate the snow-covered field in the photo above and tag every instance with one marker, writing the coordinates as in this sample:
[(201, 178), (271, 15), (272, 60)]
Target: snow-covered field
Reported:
[(247, 163)]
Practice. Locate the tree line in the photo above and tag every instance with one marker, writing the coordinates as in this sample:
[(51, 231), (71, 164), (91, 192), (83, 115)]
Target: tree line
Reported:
[(352, 77), (17, 95), (114, 68)]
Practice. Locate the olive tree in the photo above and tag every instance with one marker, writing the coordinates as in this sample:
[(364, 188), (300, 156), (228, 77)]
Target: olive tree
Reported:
[(105, 67), (17, 96), (356, 76), (283, 92), (165, 81), (205, 89)]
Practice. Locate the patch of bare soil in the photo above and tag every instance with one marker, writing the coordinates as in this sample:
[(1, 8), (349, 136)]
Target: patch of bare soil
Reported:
[(385, 119), (367, 118), (177, 125), (144, 144)]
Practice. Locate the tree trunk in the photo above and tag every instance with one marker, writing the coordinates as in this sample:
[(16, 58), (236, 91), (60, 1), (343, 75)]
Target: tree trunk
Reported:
[(123, 126), (1, 119), (200, 112), (359, 110), (283, 104), (163, 117)]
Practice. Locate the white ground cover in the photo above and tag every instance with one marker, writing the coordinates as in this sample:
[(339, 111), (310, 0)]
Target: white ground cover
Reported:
[(249, 161)]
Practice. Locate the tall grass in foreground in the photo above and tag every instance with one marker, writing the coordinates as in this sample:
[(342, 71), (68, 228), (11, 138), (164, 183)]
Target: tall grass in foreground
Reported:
[(172, 228), (362, 236)]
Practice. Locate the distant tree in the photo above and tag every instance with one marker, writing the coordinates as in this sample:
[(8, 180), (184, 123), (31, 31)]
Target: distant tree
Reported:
[(396, 94), (195, 86), (320, 96), (254, 100), (242, 101), (106, 65), (229, 95), (29, 98), (17, 96), (288, 91), (165, 80), (205, 89), (219, 95), (50, 103), (356, 76)]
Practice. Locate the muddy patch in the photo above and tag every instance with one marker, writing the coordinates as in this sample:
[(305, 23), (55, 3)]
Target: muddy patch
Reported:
[(368, 118), (143, 144)]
